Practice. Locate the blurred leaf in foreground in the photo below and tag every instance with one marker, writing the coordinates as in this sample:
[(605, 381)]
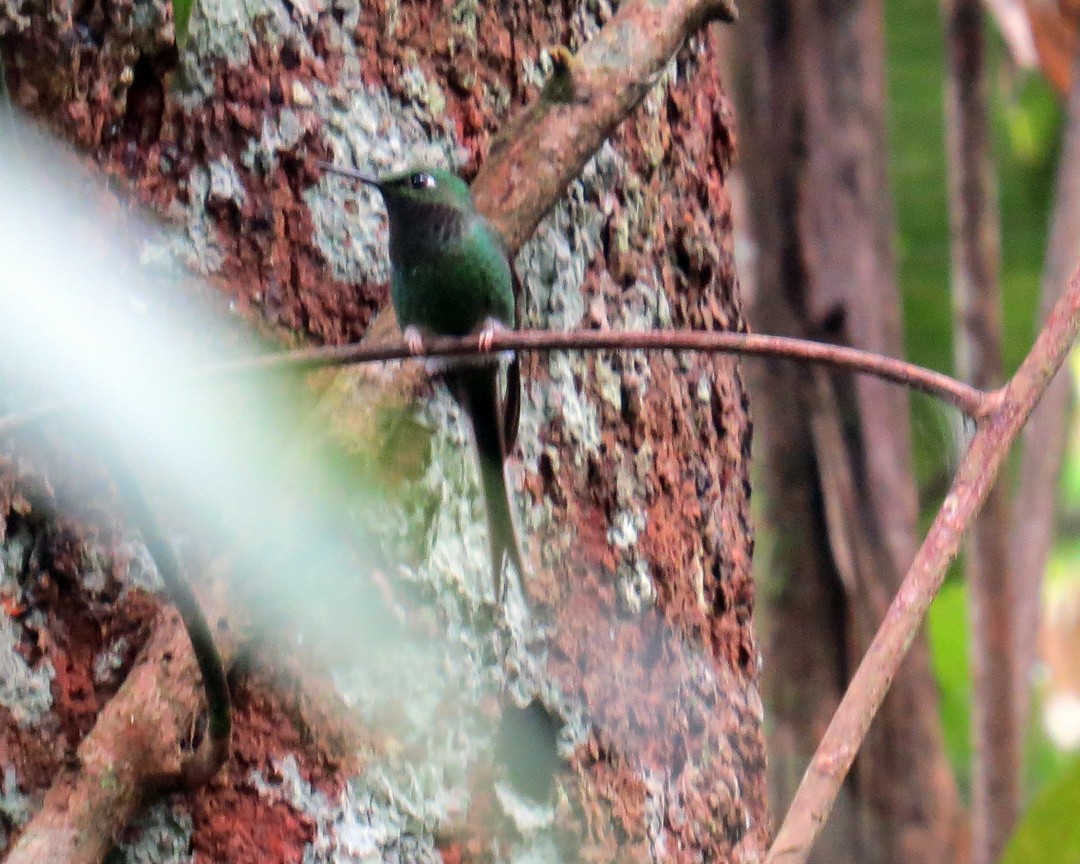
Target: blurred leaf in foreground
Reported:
[(181, 17), (1050, 832)]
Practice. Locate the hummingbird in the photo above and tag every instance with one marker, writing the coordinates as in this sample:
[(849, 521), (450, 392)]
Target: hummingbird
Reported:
[(451, 275)]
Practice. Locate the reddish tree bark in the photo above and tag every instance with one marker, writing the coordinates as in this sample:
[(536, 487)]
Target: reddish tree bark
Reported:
[(1044, 438), (649, 598)]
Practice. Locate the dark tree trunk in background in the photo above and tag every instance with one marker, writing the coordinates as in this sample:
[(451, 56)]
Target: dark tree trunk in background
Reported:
[(841, 502)]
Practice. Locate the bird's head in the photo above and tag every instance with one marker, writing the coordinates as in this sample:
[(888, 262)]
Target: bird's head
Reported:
[(415, 189)]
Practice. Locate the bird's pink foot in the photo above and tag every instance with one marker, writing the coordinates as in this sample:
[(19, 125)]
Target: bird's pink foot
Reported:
[(487, 333), (413, 340)]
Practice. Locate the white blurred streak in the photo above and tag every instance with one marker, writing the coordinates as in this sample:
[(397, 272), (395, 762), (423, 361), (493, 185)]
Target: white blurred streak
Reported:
[(82, 317), (1015, 28), (1061, 719)]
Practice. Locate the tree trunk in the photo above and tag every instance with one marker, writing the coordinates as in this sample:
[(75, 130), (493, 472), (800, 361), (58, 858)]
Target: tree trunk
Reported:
[(632, 471), (840, 493)]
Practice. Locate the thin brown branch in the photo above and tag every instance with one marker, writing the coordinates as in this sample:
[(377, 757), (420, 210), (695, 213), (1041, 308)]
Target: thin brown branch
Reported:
[(1009, 409), (1011, 17), (969, 400), (975, 246)]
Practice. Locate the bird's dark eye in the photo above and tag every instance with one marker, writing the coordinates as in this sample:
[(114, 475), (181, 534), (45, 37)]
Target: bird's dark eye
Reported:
[(422, 180)]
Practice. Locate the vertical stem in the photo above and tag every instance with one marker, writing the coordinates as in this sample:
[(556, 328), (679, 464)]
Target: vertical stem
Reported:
[(975, 238), (1044, 436), (840, 490)]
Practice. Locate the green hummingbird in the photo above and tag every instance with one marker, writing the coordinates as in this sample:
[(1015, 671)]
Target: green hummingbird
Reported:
[(451, 276)]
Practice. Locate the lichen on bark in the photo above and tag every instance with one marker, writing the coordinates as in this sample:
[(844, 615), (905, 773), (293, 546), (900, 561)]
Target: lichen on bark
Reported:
[(632, 481)]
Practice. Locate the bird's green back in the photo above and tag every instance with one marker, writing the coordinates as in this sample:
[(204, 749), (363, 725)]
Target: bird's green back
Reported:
[(458, 285), (450, 271)]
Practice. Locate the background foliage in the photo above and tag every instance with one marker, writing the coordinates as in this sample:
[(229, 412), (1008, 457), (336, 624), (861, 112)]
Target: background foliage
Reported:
[(1028, 119)]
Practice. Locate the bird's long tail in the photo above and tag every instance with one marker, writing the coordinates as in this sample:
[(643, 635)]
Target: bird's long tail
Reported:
[(476, 389)]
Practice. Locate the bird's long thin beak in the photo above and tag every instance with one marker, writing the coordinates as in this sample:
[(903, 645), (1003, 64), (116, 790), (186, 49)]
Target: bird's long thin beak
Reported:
[(351, 173)]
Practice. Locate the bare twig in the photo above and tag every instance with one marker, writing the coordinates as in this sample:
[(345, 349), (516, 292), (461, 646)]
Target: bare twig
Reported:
[(1009, 408), (969, 400), (975, 246), (965, 398)]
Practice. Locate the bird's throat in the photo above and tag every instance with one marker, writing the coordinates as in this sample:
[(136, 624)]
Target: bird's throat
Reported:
[(419, 230)]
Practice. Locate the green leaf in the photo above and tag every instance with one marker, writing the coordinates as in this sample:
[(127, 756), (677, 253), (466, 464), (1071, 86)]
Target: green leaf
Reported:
[(948, 627), (1050, 832), (181, 17)]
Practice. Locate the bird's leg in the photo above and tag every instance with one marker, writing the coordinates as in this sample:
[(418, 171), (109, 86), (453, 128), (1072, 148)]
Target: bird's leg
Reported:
[(413, 340), (490, 327)]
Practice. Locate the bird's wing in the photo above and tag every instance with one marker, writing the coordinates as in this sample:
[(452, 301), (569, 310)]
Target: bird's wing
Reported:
[(511, 413), (512, 400)]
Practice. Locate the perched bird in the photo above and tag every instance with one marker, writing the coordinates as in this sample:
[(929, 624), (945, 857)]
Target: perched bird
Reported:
[(451, 276)]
